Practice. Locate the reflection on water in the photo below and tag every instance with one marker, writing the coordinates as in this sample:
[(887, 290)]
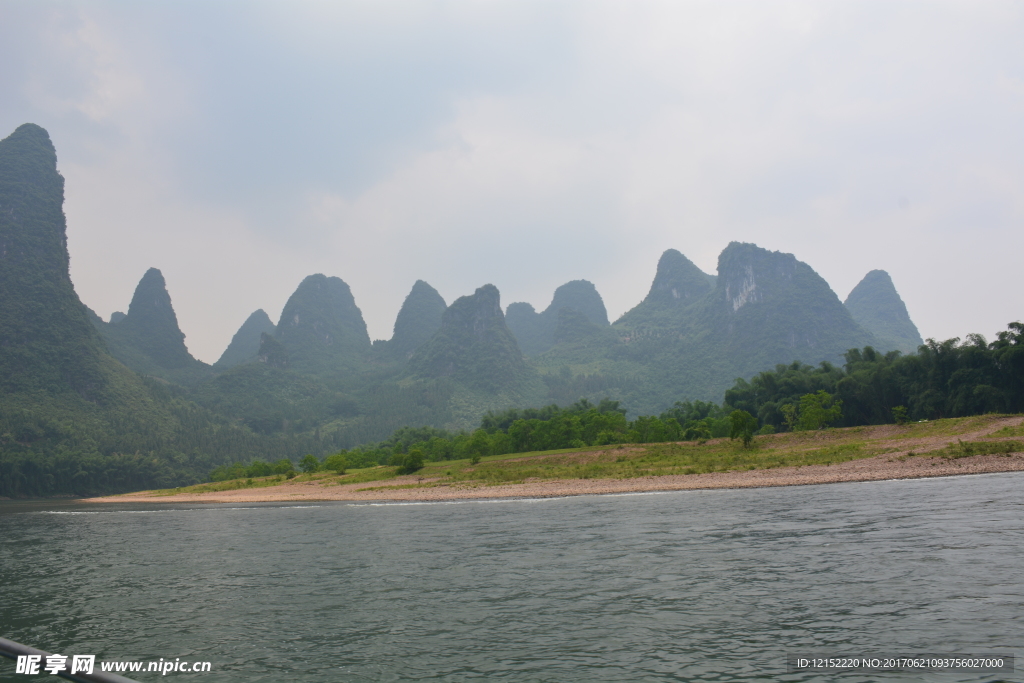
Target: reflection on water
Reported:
[(698, 585)]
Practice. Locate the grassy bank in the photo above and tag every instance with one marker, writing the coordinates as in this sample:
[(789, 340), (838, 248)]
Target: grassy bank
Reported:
[(938, 438)]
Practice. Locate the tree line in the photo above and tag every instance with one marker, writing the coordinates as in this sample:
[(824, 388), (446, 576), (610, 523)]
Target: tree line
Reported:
[(952, 378), (44, 451)]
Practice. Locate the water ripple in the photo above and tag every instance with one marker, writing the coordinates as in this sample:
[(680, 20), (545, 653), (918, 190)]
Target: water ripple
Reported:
[(669, 586)]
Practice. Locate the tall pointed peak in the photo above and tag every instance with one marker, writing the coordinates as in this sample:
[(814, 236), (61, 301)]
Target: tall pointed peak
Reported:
[(35, 230), (245, 344), (152, 302), (484, 305), (876, 305), (678, 281), (259, 318), (49, 342), (876, 283), (151, 326), (478, 312), (418, 319)]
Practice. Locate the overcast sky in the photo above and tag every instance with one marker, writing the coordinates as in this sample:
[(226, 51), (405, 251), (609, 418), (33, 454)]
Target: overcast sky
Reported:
[(240, 146)]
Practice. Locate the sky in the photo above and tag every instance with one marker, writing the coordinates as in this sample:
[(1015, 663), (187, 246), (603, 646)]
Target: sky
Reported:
[(241, 146)]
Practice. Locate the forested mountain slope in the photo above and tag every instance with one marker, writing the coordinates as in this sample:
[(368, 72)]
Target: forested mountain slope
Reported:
[(473, 345)]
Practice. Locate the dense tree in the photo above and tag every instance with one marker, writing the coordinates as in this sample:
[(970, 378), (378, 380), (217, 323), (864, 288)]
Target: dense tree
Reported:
[(951, 378), (743, 426), (819, 410)]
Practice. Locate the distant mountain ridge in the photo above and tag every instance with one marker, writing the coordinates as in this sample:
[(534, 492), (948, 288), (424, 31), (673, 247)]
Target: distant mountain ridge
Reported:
[(691, 336), (701, 332), (314, 381)]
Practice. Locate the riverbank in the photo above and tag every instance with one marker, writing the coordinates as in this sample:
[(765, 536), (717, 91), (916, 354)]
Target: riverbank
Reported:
[(978, 445), (867, 469)]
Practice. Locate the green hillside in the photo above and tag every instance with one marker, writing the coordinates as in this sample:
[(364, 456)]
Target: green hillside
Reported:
[(690, 338), (468, 365)]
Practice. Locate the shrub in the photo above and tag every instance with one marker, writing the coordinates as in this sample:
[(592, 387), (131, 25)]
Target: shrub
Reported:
[(309, 464), (698, 432), (283, 466), (409, 462), (819, 410), (335, 463)]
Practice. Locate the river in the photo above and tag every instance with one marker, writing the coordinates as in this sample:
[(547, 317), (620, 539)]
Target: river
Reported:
[(682, 586)]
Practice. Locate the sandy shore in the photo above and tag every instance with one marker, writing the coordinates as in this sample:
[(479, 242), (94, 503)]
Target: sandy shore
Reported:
[(895, 465), (890, 466)]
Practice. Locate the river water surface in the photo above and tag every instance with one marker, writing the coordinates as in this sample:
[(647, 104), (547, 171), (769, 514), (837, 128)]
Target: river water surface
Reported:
[(681, 586)]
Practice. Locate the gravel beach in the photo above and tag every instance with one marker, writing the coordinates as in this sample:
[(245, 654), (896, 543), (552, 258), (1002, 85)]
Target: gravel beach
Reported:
[(890, 466)]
